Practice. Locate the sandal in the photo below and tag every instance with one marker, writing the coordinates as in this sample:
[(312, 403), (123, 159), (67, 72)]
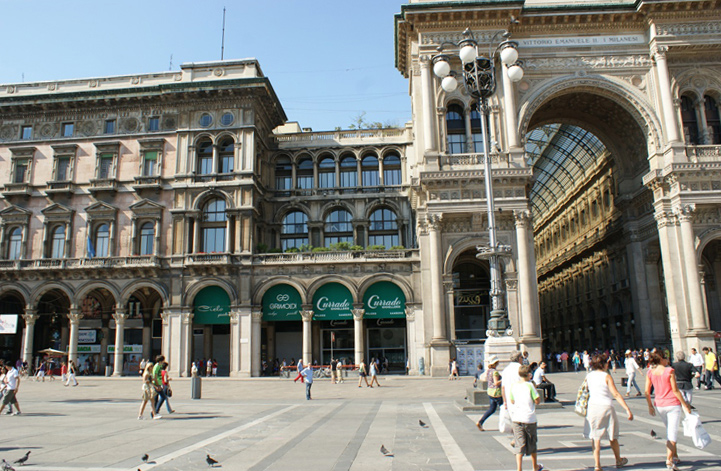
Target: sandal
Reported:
[(622, 462)]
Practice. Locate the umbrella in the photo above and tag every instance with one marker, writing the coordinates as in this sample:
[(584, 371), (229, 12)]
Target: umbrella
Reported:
[(52, 352)]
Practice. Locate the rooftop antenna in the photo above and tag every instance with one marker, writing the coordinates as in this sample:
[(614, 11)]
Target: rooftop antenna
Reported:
[(222, 42), (170, 67)]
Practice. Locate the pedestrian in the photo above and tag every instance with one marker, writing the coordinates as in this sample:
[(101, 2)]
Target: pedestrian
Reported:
[(158, 381), (3, 386), (374, 374), (41, 372), (495, 395), (362, 374), (71, 374), (509, 377), (525, 360), (684, 374), (333, 369), (711, 364), (564, 359), (541, 382), (299, 368), (149, 392), (339, 371), (631, 370), (576, 361), (601, 419), (478, 375), (667, 403), (587, 361), (209, 368), (215, 367), (11, 380), (166, 391), (454, 370), (307, 373), (524, 398), (64, 371), (697, 361)]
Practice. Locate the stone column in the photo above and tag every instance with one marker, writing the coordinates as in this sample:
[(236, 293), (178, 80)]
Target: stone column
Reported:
[(509, 110), (74, 317), (427, 97), (434, 222), (234, 342), (120, 316), (672, 272), (186, 342), (30, 317), (411, 342), (527, 279), (358, 335), (664, 85), (451, 308), (469, 133), (307, 316), (255, 340), (697, 319)]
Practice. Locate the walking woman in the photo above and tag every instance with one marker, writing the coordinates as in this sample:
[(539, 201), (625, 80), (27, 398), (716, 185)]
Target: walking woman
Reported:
[(362, 374), (374, 373), (454, 370), (631, 370), (149, 392), (667, 402), (165, 397), (495, 396), (71, 374), (601, 419)]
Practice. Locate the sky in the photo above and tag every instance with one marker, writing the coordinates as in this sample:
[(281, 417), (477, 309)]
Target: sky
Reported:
[(329, 61)]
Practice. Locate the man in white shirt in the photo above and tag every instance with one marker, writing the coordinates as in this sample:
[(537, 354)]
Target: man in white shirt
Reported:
[(540, 381), (696, 359), (12, 381), (509, 377)]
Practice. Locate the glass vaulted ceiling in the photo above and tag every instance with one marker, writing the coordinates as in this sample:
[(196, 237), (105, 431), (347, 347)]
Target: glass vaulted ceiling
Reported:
[(561, 155)]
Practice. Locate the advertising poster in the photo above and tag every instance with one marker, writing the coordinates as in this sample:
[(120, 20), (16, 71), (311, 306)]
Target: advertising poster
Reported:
[(8, 323)]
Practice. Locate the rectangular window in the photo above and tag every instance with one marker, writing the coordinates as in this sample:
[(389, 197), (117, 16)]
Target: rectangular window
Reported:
[(63, 170), (105, 166), (26, 133), (327, 180), (21, 170), (305, 182), (456, 143), (282, 183), (348, 179), (68, 129), (150, 159), (206, 165), (370, 177), (226, 164), (109, 127), (154, 124)]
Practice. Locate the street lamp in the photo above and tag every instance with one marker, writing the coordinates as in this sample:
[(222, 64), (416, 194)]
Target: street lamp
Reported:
[(479, 78)]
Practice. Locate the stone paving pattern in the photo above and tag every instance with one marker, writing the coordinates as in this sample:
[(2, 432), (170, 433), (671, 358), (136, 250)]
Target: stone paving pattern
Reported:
[(266, 424)]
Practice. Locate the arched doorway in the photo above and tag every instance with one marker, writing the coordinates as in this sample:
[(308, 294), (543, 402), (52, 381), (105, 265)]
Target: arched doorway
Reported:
[(143, 328), (282, 327), (384, 304), (95, 339), (12, 308), (52, 327), (471, 301), (711, 260), (211, 328)]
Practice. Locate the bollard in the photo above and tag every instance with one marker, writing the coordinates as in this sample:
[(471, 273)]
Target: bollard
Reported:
[(108, 370), (195, 387)]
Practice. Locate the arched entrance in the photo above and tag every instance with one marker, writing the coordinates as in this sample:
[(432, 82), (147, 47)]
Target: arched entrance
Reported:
[(711, 260), (95, 338), (52, 327), (211, 328), (332, 309), (384, 304), (282, 328), (471, 301), (142, 330), (12, 308)]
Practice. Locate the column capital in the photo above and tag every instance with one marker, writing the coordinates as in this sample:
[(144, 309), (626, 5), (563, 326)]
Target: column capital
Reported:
[(307, 315), (234, 317), (523, 218), (256, 314), (358, 314), (664, 218), (685, 212), (187, 317), (410, 314), (448, 286), (434, 221), (30, 316), (75, 315), (120, 315), (658, 52)]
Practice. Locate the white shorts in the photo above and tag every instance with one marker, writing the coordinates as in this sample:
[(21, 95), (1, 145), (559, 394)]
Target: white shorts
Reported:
[(671, 416)]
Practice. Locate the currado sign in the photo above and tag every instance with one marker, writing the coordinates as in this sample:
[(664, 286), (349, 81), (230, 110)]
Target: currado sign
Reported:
[(332, 301), (384, 300), (211, 306), (282, 303)]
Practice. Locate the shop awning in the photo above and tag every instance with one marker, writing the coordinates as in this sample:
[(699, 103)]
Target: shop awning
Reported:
[(282, 303), (332, 301), (384, 300), (211, 306)]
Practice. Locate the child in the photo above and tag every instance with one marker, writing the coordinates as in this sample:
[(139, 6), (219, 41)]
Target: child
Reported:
[(524, 398)]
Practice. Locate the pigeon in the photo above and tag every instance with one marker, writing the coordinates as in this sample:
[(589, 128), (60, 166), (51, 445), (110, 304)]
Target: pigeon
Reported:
[(653, 434), (385, 451), (6, 466), (22, 460), (211, 462), (144, 458), (421, 423)]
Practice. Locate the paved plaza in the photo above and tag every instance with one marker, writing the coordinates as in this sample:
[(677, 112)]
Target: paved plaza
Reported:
[(266, 423)]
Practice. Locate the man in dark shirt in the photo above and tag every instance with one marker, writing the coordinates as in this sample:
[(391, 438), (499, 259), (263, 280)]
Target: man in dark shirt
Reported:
[(684, 373)]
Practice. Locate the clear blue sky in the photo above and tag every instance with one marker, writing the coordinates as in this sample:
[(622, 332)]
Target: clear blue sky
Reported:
[(328, 60)]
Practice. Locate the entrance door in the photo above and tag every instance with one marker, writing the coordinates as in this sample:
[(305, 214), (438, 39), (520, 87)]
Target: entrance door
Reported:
[(337, 341), (387, 341)]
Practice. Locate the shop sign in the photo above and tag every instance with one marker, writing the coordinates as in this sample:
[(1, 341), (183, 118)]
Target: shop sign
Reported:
[(384, 300), (87, 336), (469, 298), (127, 349), (8, 323), (282, 303), (88, 348), (211, 306), (332, 301)]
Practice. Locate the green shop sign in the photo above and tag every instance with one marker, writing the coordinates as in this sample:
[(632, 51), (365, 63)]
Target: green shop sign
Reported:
[(384, 300), (332, 302), (281, 303), (212, 306)]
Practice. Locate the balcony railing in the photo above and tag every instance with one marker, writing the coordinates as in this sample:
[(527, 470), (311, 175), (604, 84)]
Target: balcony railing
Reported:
[(698, 154), (80, 263), (334, 257), (347, 137)]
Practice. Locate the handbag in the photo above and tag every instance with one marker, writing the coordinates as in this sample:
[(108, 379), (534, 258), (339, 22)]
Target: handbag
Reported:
[(170, 392), (581, 407), (692, 428), (504, 421)]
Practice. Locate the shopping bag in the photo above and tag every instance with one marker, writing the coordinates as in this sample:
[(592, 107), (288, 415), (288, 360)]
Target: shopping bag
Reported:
[(692, 428), (504, 421), (581, 407)]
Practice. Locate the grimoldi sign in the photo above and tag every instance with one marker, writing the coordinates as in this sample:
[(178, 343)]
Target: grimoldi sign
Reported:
[(211, 306), (331, 302), (384, 300), (583, 41), (281, 303)]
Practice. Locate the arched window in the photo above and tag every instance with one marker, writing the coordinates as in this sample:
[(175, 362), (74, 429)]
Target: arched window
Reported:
[(690, 122), (226, 156), (294, 230), (713, 122), (57, 247), (476, 130), (326, 173), (383, 228), (456, 130), (369, 171), (304, 176), (15, 247), (205, 157), (348, 172), (147, 238), (102, 240), (213, 226), (338, 227), (392, 175), (283, 174)]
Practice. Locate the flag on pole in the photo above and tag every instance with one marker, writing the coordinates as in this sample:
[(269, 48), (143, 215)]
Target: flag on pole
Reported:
[(332, 336)]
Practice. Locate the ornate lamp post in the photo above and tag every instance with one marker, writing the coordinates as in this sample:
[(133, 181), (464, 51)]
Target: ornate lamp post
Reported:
[(479, 78)]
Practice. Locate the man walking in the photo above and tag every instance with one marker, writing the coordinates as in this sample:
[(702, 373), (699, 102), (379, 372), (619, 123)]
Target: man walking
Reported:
[(12, 383), (696, 360), (684, 372), (307, 373), (711, 367)]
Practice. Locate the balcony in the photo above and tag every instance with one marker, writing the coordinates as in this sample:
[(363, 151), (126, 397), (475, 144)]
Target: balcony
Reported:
[(344, 138), (152, 182), (99, 185), (355, 256), (17, 189), (60, 188), (698, 154)]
